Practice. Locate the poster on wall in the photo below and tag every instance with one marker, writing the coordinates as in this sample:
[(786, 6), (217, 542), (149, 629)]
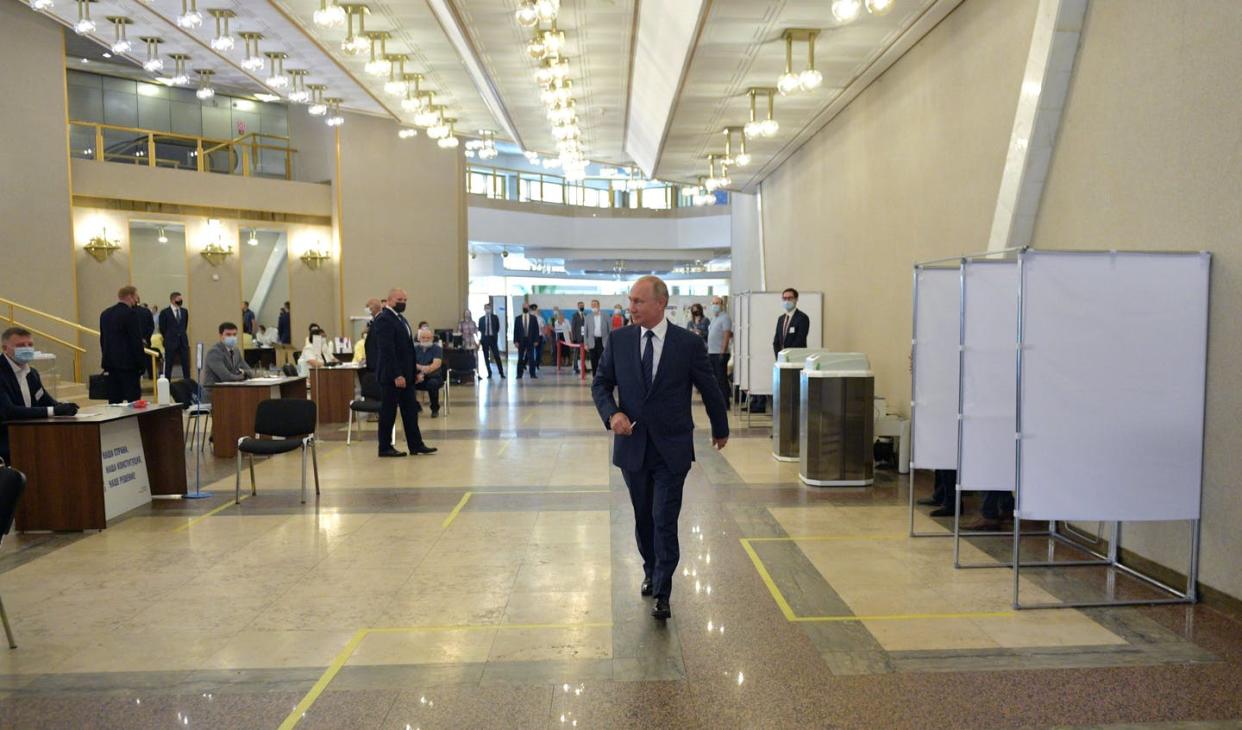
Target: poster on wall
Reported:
[(125, 480)]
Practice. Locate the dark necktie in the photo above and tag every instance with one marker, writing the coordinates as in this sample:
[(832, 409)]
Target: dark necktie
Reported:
[(648, 359)]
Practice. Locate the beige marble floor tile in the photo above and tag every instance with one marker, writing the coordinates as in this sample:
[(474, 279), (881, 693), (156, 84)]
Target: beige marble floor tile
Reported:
[(145, 651), (1052, 627), (930, 634), (464, 578), (560, 607), (296, 611), (256, 649), (424, 647), (533, 578), (438, 608), (523, 645)]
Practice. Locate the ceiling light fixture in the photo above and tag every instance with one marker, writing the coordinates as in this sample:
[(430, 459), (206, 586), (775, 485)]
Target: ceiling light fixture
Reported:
[(204, 91), (765, 127), (329, 15), (809, 79), (395, 85), (430, 114), (297, 86), (414, 98), (85, 24), (276, 78), (190, 17), (163, 237), (121, 44), (154, 63), (266, 98), (880, 7), (378, 65), (42, 5), (179, 77), (334, 118), (407, 132), (223, 40), (449, 139), (317, 107), (355, 43), (846, 11), (526, 15), (253, 61), (254, 238)]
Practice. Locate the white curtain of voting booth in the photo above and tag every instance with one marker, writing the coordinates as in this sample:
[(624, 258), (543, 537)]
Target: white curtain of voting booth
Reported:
[(741, 341), (937, 328), (989, 291), (764, 309), (1111, 382)]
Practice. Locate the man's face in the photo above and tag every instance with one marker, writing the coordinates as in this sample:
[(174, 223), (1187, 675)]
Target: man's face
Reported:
[(425, 337), (645, 309), (373, 306), (789, 297), (226, 334), (580, 306), (398, 298), (17, 341), (718, 302), (595, 304)]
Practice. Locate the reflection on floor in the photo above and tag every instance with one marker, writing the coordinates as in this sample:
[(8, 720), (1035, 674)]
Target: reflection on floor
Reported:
[(495, 584)]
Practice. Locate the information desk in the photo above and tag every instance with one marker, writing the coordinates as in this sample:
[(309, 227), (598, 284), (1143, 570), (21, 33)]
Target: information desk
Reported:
[(332, 388), (233, 406), (84, 470)]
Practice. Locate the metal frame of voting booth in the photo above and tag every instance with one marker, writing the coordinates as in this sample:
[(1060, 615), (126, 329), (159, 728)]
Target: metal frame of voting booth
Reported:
[(1130, 320), (986, 401)]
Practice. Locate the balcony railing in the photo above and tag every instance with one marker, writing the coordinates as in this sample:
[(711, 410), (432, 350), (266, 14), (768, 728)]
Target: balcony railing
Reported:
[(502, 183), (250, 155)]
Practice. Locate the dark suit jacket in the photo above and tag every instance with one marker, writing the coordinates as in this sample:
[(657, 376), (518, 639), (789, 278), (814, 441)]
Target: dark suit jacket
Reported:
[(248, 323), (525, 330), (495, 325), (369, 351), (663, 413), (12, 407), (148, 324), (120, 338), (284, 330), (797, 331), (576, 323), (394, 348), (175, 330)]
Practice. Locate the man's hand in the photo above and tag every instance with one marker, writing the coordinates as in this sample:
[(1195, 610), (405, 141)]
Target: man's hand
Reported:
[(720, 443), (420, 377), (65, 409), (620, 424), (400, 381)]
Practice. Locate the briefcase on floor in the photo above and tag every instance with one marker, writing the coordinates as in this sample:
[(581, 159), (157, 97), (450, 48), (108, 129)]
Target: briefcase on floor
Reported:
[(97, 387)]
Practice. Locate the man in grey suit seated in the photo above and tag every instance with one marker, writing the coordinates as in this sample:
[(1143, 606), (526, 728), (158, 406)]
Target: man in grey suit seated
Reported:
[(224, 362)]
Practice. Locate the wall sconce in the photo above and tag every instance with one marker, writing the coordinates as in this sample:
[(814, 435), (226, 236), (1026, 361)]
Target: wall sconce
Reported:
[(100, 248), (215, 254), (314, 257)]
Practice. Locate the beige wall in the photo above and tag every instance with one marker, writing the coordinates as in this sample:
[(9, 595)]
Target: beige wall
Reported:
[(909, 172), (1150, 157), (99, 281), (36, 240)]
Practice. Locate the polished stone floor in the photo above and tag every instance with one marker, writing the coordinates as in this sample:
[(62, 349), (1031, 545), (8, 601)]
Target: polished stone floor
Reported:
[(495, 584)]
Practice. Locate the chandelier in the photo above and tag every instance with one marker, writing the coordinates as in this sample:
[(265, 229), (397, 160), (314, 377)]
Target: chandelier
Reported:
[(329, 15), (85, 24), (378, 65), (297, 86), (765, 127), (223, 41), (179, 77), (190, 18), (396, 84), (316, 107), (252, 61), (414, 98), (810, 78), (334, 116), (154, 63), (532, 12), (276, 79), (121, 45), (205, 91), (355, 44), (847, 11)]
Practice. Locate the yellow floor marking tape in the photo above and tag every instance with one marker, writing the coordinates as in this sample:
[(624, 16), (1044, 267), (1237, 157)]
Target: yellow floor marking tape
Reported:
[(547, 491), (767, 580), (342, 657), (903, 616), (453, 515), (828, 538), (200, 518)]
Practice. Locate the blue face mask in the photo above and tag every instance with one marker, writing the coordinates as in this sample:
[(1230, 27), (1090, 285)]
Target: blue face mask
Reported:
[(790, 304), (715, 309), (230, 341), (23, 355), (594, 311)]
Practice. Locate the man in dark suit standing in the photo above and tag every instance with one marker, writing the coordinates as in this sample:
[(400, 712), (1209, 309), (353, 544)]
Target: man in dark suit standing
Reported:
[(147, 317), (396, 375), (489, 329), (525, 335), (284, 326), (792, 326), (21, 391), (652, 365), (120, 339), (248, 319), (174, 328)]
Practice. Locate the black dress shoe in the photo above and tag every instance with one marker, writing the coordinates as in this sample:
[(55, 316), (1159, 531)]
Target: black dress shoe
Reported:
[(661, 609), (645, 589), (942, 512), (393, 453), (928, 502), (435, 412), (424, 450)]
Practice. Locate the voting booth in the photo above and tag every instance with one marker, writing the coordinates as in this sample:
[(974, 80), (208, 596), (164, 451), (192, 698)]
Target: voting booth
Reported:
[(837, 421), (787, 401)]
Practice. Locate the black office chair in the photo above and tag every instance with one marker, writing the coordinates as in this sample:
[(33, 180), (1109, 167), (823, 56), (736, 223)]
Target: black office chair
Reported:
[(368, 403), (293, 421), (288, 370), (189, 395), (12, 484)]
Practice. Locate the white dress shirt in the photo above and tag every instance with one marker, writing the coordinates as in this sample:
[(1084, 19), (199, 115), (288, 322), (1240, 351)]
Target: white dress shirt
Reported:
[(21, 371), (657, 345)]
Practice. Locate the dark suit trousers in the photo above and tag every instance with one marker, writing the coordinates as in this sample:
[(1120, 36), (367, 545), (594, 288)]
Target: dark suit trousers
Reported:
[(124, 385), (655, 492), (171, 356), (720, 368), (595, 353), (490, 349), (526, 359), (432, 385), (393, 397)]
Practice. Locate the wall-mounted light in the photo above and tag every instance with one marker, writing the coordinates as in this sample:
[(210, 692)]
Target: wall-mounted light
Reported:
[(215, 252), (314, 257), (100, 248)]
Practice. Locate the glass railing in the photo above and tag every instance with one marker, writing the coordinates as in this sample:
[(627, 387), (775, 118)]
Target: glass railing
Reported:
[(528, 186), (250, 155)]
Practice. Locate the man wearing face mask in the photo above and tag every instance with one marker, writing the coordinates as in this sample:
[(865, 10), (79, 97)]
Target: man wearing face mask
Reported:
[(397, 376), (22, 395), (120, 340), (224, 363), (595, 333), (174, 326), (429, 361), (578, 329), (489, 330), (792, 326), (719, 335), (317, 350)]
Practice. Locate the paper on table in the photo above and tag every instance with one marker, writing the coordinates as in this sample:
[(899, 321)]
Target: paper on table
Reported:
[(263, 380)]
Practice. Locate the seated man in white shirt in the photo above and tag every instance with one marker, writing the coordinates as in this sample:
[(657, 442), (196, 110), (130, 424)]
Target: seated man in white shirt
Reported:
[(316, 351), (266, 337), (22, 395)]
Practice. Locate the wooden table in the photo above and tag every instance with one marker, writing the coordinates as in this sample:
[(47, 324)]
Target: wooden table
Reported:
[(233, 406), (86, 469), (332, 388)]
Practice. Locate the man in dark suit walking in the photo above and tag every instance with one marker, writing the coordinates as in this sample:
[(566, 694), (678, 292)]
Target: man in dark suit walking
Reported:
[(489, 329), (792, 326), (120, 339), (174, 328), (652, 365), (525, 336), (396, 375), (22, 395)]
